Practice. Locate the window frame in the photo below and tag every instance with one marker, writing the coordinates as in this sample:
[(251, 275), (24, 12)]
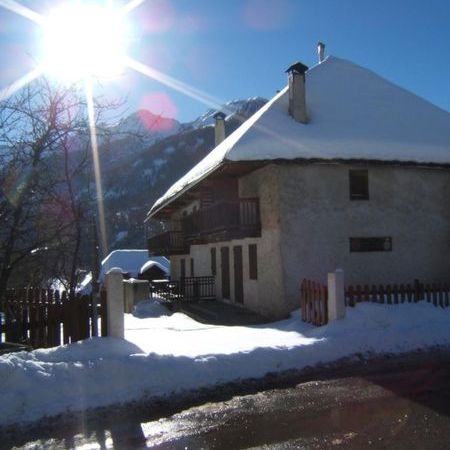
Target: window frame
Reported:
[(356, 189), (370, 244)]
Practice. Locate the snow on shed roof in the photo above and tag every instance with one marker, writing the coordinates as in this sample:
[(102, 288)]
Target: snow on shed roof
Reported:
[(131, 261), (354, 114), (128, 260), (134, 262), (149, 264)]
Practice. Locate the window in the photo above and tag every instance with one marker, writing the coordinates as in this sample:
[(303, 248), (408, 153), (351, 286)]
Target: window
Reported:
[(213, 262), (359, 184), (372, 244), (192, 267), (253, 262)]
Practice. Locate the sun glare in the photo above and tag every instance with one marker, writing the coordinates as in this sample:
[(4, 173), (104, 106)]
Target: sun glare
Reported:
[(84, 40)]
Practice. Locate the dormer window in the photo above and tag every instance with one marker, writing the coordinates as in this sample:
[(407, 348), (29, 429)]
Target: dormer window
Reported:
[(359, 184)]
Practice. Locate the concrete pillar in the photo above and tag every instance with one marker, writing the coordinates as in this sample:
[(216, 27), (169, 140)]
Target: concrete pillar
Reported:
[(219, 127), (115, 303), (135, 291), (297, 97), (336, 295)]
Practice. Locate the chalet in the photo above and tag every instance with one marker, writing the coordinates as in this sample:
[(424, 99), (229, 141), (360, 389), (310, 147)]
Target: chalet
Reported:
[(342, 168)]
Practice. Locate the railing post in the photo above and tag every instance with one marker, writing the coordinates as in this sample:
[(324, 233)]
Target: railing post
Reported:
[(336, 295), (115, 303)]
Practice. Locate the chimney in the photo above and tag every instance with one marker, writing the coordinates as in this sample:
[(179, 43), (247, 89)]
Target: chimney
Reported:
[(321, 51), (219, 128), (297, 94)]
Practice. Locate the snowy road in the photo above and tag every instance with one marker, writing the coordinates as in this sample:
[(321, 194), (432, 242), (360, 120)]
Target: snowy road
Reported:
[(401, 403), (398, 410), (164, 355)]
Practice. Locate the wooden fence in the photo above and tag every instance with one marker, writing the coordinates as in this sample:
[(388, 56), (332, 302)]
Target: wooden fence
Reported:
[(438, 294), (43, 318), (314, 303)]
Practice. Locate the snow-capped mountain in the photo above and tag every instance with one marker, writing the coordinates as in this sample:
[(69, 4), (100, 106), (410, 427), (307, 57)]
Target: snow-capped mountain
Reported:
[(145, 125), (138, 171), (236, 109)]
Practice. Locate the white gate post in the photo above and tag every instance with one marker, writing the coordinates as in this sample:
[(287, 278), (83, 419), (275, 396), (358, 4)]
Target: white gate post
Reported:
[(115, 303), (336, 295)]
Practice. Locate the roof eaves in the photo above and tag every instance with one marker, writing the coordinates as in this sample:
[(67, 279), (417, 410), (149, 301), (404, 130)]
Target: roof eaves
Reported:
[(156, 208)]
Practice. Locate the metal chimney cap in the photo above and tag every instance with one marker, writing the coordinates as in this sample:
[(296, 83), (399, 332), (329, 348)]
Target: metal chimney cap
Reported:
[(297, 67), (219, 115), (321, 51)]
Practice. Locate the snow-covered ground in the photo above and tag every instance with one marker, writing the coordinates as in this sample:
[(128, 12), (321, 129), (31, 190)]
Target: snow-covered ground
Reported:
[(165, 354)]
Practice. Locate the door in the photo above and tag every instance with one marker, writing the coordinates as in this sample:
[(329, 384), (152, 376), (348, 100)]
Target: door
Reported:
[(225, 269), (238, 275), (182, 268)]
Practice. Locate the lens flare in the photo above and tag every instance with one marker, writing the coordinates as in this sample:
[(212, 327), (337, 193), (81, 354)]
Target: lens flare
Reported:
[(21, 10), (20, 83), (84, 40), (97, 169), (173, 83)]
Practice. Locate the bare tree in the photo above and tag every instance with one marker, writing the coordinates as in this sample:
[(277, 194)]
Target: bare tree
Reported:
[(43, 156)]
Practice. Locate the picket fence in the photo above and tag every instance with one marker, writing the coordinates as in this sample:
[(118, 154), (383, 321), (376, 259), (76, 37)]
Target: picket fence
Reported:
[(314, 303), (436, 293), (43, 318)]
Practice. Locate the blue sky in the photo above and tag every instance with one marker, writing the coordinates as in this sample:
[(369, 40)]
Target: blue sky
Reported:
[(240, 48)]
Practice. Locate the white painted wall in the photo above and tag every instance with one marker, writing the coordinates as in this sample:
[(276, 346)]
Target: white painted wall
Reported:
[(318, 218)]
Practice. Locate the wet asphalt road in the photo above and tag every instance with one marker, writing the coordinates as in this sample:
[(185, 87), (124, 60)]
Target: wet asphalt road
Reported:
[(401, 408), (344, 413)]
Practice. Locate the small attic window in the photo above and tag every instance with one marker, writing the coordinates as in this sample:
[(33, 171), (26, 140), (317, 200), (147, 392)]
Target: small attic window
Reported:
[(359, 184)]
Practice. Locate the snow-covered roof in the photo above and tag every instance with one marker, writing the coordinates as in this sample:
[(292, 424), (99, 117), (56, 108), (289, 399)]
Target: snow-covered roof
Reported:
[(134, 262), (130, 261), (151, 263), (354, 114)]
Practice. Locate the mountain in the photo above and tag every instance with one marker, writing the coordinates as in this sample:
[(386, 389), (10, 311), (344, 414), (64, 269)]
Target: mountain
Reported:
[(236, 109), (146, 155), (147, 126)]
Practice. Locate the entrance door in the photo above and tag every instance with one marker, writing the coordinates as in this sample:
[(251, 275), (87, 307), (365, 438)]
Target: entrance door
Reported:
[(225, 269), (238, 275)]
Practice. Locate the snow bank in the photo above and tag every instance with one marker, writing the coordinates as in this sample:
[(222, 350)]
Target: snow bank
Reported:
[(165, 353)]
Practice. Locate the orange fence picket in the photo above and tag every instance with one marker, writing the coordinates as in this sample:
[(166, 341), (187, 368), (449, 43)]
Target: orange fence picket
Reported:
[(314, 303)]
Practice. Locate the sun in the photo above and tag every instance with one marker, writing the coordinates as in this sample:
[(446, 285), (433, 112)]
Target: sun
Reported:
[(84, 40)]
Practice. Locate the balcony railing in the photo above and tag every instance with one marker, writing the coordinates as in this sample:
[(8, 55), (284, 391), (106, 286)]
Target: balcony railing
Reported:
[(168, 243), (185, 289), (223, 221)]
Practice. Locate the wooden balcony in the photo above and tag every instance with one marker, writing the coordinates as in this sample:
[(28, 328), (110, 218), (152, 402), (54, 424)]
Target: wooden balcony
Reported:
[(223, 221), (220, 222), (168, 243)]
